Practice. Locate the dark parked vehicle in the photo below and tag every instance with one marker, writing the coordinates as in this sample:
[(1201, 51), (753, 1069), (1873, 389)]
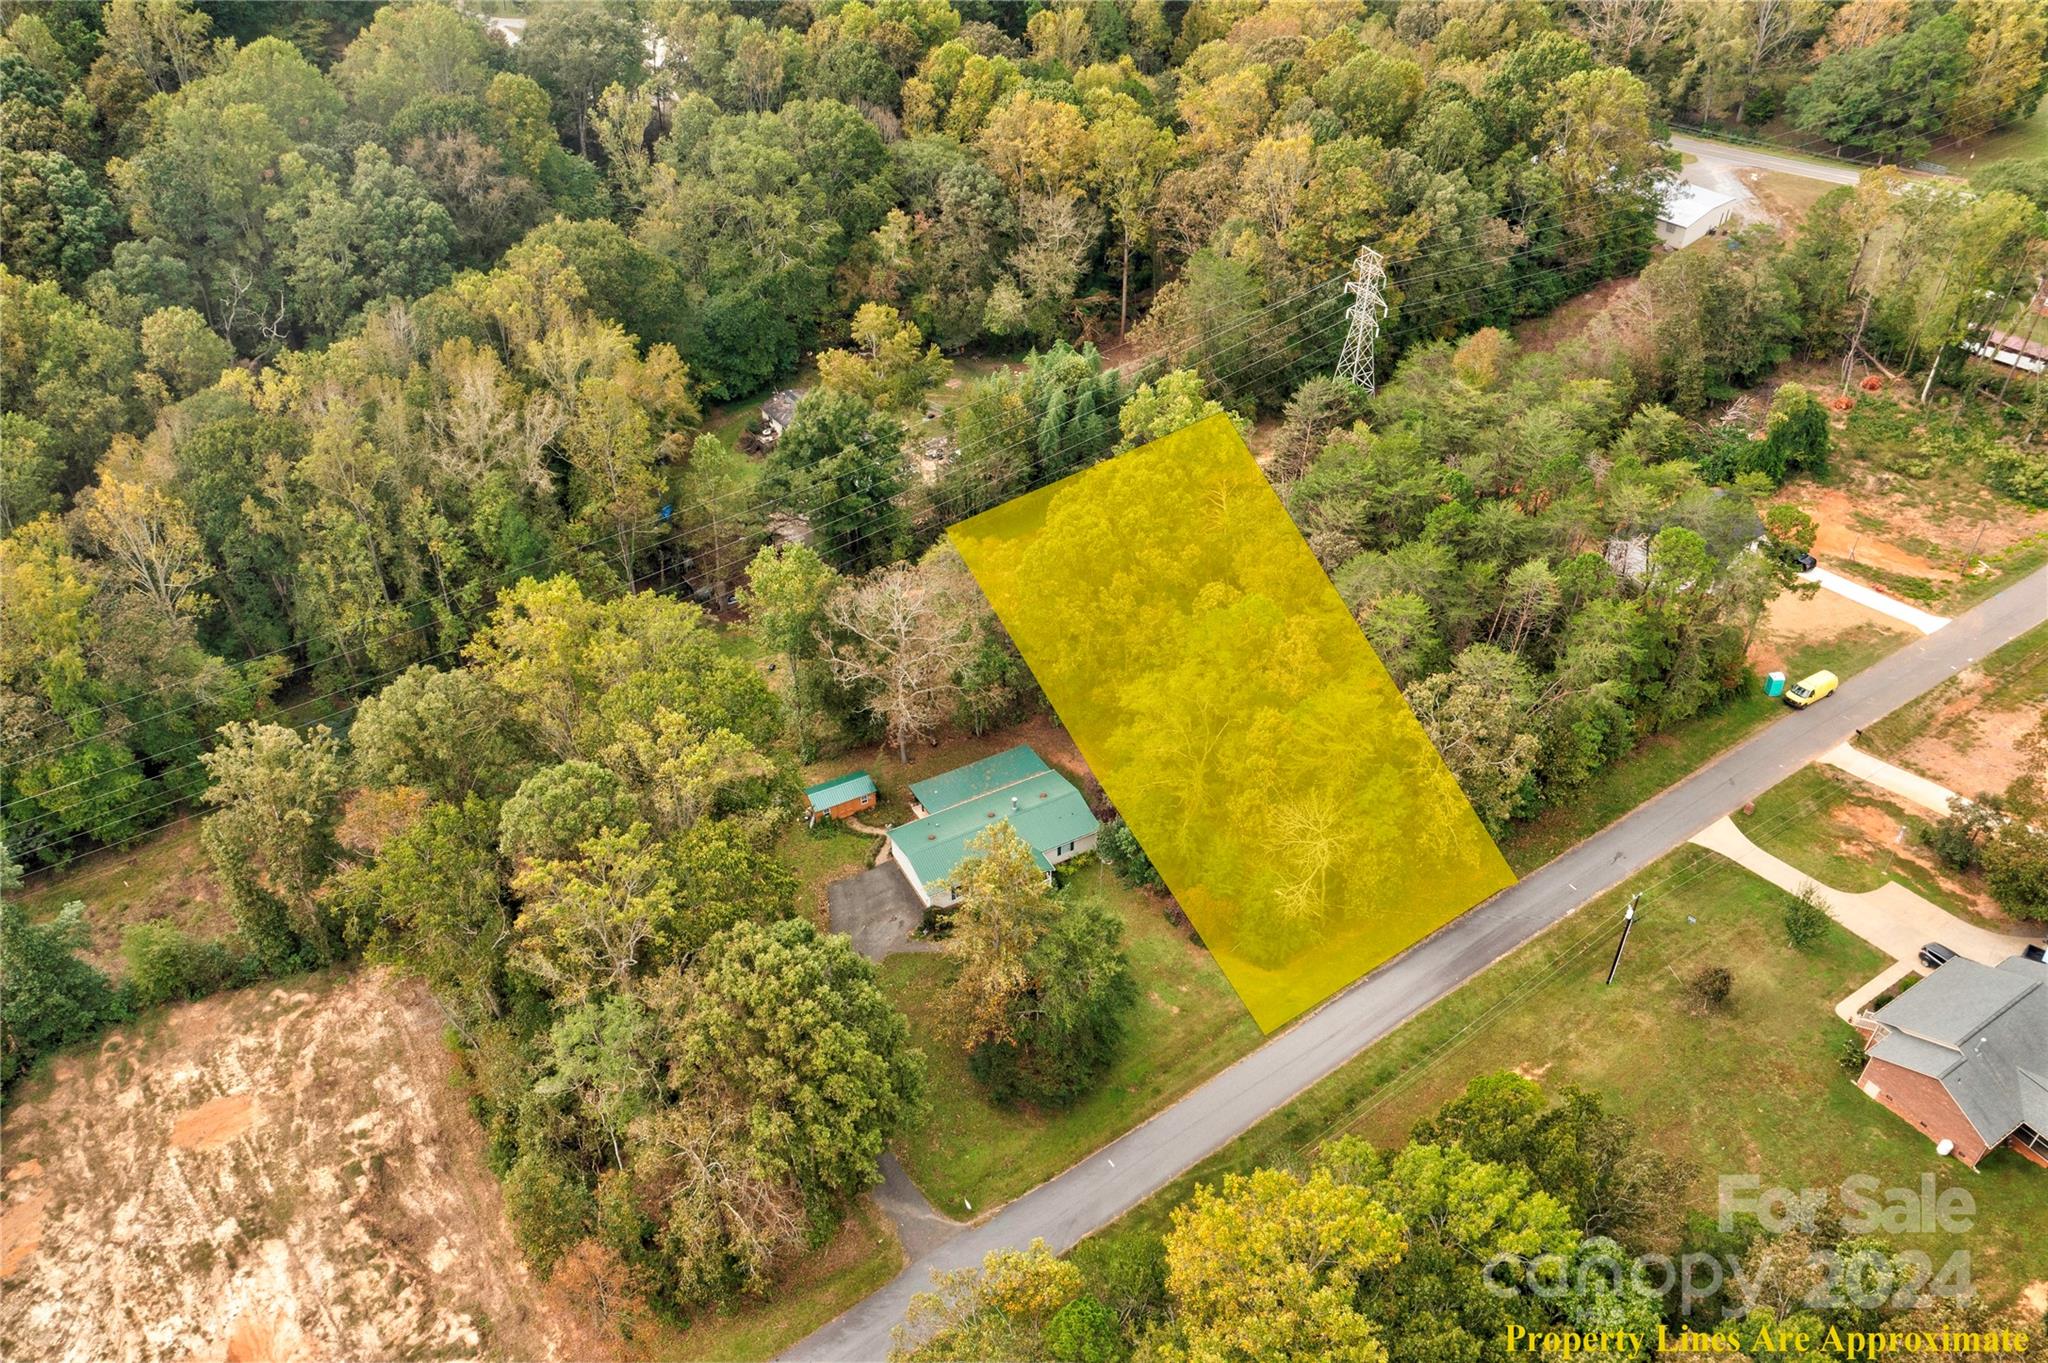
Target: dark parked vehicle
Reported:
[(1934, 955), (2036, 952), (1796, 557)]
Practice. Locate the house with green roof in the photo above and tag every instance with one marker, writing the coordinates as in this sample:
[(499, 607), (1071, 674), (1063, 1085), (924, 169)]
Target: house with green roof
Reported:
[(1014, 787)]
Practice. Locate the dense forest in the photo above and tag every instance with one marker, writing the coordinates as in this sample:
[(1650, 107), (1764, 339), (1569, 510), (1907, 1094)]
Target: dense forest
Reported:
[(359, 397)]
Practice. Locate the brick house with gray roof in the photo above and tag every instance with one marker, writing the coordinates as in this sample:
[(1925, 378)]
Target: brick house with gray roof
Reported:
[(1963, 1055)]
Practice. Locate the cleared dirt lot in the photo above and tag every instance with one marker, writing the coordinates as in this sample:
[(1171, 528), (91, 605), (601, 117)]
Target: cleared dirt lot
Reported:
[(1793, 623), (279, 1173), (1967, 734)]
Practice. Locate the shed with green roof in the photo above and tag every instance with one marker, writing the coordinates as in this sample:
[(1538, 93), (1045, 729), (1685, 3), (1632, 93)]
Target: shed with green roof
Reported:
[(840, 797), (1016, 787)]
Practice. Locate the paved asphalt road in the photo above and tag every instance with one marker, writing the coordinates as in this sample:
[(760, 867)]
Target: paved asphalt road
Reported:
[(1124, 1173), (1736, 154)]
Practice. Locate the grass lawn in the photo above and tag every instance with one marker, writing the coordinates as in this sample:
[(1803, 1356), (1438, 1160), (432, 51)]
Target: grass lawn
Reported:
[(1845, 834), (1188, 1023), (860, 1258), (1797, 821), (1664, 759), (1752, 1090), (1790, 196), (2019, 141), (820, 856), (729, 420), (166, 875)]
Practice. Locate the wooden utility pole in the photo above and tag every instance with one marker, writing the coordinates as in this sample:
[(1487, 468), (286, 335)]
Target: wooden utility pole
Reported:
[(1628, 921)]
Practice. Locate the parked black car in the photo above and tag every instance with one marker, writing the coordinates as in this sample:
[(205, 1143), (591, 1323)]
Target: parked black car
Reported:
[(1934, 955), (1795, 556)]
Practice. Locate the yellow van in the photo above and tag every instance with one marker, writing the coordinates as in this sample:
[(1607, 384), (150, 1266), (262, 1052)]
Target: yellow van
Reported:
[(1819, 686)]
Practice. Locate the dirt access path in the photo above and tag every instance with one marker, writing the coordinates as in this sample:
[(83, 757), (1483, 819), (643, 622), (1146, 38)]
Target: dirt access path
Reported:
[(281, 1173)]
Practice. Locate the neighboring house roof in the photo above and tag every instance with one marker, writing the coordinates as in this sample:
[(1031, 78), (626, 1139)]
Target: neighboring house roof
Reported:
[(1014, 787), (976, 778), (2019, 345), (837, 791), (1685, 204), (1727, 527), (781, 406), (1982, 1033)]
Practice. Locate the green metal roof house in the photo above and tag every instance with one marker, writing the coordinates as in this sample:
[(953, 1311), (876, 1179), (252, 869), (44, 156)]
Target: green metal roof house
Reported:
[(840, 796), (1015, 787)]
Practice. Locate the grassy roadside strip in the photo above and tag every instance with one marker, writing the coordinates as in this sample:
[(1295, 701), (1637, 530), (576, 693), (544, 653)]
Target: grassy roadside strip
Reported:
[(2013, 676), (969, 1154), (1754, 1089)]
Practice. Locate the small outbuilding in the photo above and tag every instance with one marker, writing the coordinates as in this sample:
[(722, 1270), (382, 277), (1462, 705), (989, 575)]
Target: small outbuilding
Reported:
[(1692, 211), (841, 797)]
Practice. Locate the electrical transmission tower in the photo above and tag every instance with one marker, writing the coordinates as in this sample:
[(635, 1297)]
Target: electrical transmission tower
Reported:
[(1368, 308)]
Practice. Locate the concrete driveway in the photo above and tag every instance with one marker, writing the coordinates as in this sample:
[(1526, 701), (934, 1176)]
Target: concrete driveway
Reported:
[(1925, 621), (878, 910), (1892, 917), (1931, 796)]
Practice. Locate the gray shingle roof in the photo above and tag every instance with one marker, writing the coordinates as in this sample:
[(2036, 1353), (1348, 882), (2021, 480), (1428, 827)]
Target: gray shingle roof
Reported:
[(1983, 1034)]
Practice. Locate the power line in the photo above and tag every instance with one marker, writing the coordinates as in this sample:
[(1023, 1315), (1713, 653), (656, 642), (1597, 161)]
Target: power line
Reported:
[(1610, 237), (1606, 236), (1613, 239), (1702, 861), (1368, 310)]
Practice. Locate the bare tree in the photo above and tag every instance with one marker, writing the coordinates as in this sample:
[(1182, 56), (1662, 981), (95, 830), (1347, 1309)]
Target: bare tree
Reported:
[(902, 634), (1774, 26), (1622, 32)]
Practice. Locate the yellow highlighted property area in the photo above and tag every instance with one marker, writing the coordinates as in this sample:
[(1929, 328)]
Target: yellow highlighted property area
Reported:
[(1236, 715)]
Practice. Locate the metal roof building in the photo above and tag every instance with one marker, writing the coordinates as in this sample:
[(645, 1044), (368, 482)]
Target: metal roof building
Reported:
[(1015, 787), (840, 796), (1690, 212)]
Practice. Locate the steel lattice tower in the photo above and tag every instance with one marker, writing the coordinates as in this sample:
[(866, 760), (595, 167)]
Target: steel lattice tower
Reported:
[(1368, 308)]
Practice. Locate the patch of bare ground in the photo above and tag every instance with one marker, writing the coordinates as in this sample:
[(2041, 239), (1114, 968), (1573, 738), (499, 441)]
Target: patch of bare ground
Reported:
[(1570, 319), (284, 1172), (1878, 829), (1792, 620), (1786, 198), (212, 1125), (1973, 749), (1873, 521), (1968, 733), (1842, 531)]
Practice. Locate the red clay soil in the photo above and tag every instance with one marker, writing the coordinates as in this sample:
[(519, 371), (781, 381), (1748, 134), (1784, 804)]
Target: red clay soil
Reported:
[(283, 1172)]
